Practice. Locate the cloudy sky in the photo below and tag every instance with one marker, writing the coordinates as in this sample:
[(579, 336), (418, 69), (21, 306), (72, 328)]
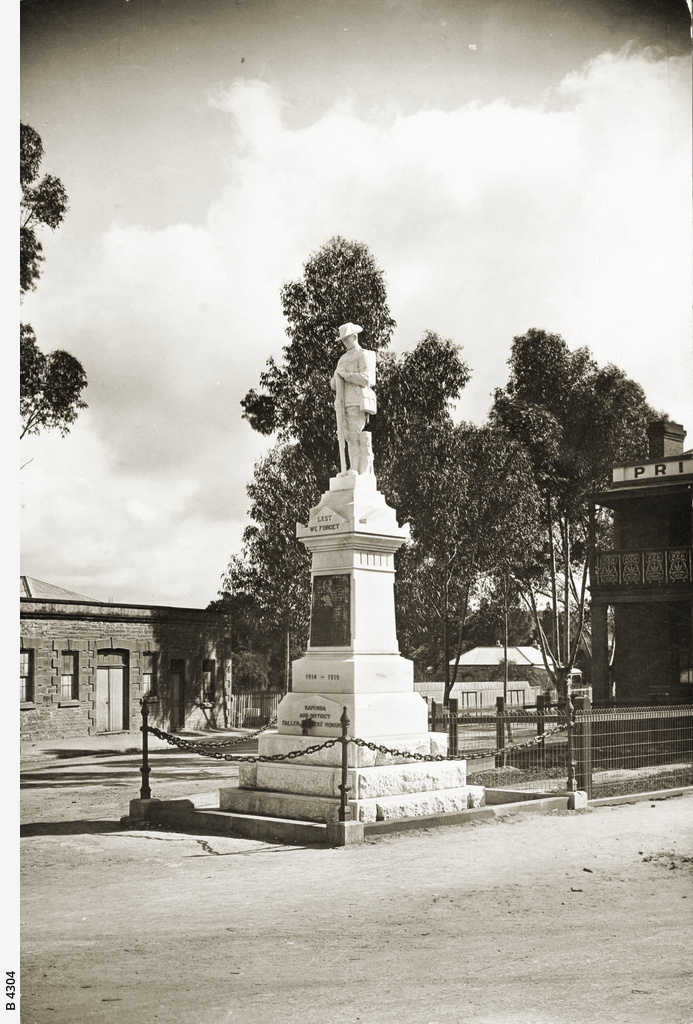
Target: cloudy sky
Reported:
[(509, 163)]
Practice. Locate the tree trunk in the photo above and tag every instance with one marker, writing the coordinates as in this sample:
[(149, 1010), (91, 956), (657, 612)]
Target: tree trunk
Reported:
[(287, 666), (460, 635), (566, 592), (554, 593), (446, 642)]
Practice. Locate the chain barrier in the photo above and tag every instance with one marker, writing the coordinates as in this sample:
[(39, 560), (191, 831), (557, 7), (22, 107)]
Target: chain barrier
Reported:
[(472, 756), (204, 749), (238, 739), (209, 749)]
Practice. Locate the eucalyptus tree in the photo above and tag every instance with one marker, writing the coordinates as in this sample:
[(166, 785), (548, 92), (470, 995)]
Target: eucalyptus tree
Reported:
[(473, 506), (573, 419)]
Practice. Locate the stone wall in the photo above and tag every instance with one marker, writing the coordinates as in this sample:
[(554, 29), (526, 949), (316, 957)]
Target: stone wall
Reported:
[(92, 632)]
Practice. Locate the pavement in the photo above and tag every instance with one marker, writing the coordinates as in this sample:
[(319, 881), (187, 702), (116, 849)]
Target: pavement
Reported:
[(116, 744)]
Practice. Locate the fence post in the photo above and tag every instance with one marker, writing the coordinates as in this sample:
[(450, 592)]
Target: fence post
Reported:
[(500, 731), (541, 749), (583, 746), (344, 786), (145, 791), (569, 712), (434, 714), (452, 726)]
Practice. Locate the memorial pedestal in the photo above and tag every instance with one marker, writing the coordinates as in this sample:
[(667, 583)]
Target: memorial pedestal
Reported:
[(352, 661)]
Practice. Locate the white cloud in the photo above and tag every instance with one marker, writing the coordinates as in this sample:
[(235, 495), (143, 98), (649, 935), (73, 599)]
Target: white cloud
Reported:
[(571, 216), (116, 536)]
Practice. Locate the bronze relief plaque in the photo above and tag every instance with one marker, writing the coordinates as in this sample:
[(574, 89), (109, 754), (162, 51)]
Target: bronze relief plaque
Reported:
[(330, 614)]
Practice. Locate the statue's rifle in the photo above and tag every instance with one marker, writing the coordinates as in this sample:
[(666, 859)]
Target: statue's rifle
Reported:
[(341, 426)]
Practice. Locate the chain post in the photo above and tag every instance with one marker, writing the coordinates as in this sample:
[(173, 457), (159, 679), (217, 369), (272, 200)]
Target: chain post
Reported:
[(344, 785), (145, 791)]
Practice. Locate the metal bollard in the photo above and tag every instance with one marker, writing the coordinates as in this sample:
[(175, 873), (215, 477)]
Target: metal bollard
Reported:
[(145, 791), (344, 787)]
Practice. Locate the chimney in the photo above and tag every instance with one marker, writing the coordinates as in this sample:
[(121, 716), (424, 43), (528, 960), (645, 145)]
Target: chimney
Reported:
[(665, 439)]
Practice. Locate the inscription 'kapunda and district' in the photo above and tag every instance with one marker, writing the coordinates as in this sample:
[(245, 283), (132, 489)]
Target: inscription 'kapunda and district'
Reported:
[(319, 714)]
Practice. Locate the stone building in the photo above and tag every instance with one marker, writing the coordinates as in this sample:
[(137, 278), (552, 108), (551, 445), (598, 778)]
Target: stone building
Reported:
[(642, 587), (86, 664)]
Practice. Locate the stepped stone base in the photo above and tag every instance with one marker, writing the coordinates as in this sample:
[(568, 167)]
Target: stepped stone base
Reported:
[(364, 783), (304, 807), (381, 787)]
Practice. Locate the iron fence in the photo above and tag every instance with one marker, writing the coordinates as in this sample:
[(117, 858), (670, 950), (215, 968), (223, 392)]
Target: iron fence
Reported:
[(253, 710), (633, 750), (522, 748), (615, 751)]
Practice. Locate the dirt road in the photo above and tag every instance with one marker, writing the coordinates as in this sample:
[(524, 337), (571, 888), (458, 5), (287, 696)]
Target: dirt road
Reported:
[(569, 918)]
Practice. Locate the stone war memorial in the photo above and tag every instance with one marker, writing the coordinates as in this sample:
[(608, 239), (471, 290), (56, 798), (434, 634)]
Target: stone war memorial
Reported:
[(353, 660)]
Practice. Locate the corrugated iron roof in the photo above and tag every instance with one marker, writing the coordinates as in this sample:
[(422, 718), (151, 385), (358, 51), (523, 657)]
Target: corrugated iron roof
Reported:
[(494, 656), (39, 589)]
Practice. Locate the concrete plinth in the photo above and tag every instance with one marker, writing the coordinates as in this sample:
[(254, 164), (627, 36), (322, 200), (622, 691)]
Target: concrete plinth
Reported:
[(140, 808), (344, 833)]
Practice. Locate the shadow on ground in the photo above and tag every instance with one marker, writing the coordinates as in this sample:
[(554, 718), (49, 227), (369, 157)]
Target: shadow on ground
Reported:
[(68, 828), (124, 777), (65, 753)]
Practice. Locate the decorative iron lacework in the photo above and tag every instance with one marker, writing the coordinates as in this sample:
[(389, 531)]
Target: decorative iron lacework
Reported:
[(654, 567), (631, 567), (664, 565), (607, 569), (678, 567)]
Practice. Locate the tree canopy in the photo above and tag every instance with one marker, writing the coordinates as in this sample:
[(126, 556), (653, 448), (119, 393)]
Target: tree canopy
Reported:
[(472, 503), (50, 385), (574, 419), (42, 203)]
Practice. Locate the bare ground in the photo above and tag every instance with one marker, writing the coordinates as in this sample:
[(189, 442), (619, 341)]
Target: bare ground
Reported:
[(569, 918)]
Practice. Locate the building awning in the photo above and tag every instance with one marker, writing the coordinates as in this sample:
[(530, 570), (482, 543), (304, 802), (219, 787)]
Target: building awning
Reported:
[(635, 491)]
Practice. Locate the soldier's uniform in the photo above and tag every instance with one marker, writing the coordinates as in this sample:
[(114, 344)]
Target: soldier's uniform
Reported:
[(356, 367)]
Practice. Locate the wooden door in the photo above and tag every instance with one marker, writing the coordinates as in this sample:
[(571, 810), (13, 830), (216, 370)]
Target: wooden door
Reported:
[(111, 687), (177, 693)]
